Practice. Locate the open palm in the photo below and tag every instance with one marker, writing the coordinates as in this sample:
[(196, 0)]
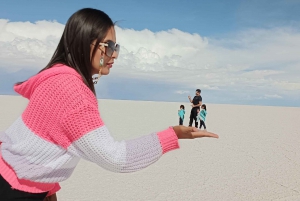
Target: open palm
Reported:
[(184, 132)]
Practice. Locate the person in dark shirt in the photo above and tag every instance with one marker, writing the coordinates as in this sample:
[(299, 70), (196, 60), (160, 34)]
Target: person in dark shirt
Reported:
[(196, 104)]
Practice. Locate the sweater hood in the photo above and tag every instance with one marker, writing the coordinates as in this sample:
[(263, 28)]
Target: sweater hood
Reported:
[(27, 88)]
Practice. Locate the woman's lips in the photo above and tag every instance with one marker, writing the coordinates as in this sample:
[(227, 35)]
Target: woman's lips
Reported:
[(109, 65)]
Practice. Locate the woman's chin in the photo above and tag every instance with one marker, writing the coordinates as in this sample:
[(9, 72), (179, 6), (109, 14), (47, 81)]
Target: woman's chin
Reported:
[(105, 72)]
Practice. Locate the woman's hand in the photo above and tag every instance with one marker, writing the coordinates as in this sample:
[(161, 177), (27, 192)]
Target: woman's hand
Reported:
[(184, 132)]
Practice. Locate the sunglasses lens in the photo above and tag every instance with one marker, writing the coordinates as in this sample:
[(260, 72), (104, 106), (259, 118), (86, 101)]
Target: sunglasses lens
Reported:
[(109, 51), (111, 48), (117, 49)]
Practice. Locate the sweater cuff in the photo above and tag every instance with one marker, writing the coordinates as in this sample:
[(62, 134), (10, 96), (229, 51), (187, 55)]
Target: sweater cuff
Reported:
[(168, 140), (54, 190)]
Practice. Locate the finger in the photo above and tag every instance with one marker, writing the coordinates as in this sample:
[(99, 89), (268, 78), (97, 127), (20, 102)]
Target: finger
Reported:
[(200, 134)]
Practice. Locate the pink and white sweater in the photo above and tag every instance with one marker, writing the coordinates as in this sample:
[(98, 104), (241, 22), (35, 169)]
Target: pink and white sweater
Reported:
[(62, 124)]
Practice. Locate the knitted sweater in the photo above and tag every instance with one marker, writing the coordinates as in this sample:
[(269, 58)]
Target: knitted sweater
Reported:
[(62, 124)]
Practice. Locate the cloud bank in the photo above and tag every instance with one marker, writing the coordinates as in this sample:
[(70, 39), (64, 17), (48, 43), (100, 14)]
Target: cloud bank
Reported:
[(250, 64)]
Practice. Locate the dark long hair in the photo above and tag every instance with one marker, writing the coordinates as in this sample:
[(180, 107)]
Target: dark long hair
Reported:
[(82, 28), (204, 106)]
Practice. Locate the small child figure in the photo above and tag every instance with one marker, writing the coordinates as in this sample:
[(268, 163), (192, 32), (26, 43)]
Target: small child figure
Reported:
[(181, 113), (202, 116)]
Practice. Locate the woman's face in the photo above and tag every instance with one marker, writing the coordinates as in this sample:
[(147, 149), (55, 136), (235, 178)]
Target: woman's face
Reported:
[(100, 53)]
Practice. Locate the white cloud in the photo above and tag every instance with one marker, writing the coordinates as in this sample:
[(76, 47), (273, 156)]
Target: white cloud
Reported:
[(205, 86), (271, 96), (27, 44), (261, 60), (182, 92)]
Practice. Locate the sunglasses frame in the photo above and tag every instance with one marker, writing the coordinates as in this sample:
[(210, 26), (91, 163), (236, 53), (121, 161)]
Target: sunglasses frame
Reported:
[(116, 45)]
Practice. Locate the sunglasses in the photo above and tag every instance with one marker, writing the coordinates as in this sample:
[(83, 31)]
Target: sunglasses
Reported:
[(111, 47)]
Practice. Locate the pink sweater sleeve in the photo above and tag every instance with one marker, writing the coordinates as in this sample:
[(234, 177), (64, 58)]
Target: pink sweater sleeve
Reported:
[(168, 140), (92, 141)]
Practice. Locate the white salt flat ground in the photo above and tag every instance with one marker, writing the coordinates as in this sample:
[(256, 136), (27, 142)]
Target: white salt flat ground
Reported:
[(257, 156)]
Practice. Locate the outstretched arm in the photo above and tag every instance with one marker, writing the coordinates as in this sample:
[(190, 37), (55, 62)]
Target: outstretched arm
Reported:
[(92, 141)]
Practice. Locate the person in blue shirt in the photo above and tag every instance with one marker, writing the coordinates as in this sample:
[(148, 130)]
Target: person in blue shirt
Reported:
[(202, 116), (181, 113)]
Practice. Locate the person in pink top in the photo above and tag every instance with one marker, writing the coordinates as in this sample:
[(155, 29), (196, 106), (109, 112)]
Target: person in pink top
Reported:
[(61, 123)]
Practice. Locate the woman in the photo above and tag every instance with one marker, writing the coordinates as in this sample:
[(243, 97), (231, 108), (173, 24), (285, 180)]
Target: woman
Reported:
[(61, 123)]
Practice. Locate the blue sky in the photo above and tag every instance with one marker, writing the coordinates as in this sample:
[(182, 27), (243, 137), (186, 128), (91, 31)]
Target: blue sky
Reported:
[(204, 17), (247, 49)]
